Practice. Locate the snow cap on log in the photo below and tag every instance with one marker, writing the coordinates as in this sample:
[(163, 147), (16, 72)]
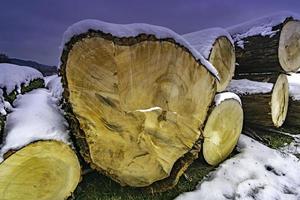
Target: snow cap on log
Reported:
[(14, 76), (216, 45), (219, 98), (204, 40), (133, 30), (262, 26)]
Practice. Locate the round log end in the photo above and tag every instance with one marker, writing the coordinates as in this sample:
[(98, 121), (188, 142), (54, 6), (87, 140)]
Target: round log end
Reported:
[(40, 171), (280, 100), (222, 57), (138, 103), (222, 131), (289, 46)]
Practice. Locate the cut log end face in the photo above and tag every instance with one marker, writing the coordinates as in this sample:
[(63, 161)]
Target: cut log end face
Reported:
[(222, 57), (111, 88), (40, 171), (289, 46), (222, 131), (280, 100)]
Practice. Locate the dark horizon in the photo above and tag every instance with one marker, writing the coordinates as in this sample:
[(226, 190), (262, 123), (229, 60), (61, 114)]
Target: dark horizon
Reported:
[(33, 30)]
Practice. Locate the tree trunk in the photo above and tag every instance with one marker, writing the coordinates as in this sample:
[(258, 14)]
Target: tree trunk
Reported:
[(216, 45), (40, 171), (223, 128), (293, 115), (136, 105), (268, 54), (268, 108), (33, 164)]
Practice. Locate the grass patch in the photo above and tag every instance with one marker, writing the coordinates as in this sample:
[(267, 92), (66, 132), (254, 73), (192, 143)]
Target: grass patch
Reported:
[(95, 186)]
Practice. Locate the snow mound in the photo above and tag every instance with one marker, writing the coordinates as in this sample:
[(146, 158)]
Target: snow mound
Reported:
[(294, 86), (245, 86), (204, 40), (132, 30), (262, 26), (53, 83), (258, 172), (35, 117), (14, 76), (226, 95)]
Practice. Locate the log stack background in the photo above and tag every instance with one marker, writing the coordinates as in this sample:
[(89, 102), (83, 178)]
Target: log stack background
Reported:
[(142, 108)]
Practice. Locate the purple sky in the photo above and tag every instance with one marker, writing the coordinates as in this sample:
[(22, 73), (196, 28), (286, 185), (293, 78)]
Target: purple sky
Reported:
[(33, 29)]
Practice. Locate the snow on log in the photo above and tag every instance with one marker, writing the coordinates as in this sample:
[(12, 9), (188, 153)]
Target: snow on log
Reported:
[(37, 160), (268, 45), (264, 104), (136, 96), (216, 45), (223, 127), (15, 79)]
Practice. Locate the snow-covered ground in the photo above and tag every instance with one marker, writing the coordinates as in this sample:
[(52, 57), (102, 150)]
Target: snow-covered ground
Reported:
[(35, 116), (256, 173), (245, 86), (294, 86)]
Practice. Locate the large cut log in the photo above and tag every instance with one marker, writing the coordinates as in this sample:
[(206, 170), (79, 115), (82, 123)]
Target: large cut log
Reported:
[(223, 127), (268, 45), (264, 104), (37, 162), (136, 96), (216, 45)]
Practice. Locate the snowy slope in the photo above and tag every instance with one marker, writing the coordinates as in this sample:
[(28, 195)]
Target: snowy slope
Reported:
[(132, 30), (203, 40), (35, 117), (261, 26), (257, 173), (245, 86), (13, 76)]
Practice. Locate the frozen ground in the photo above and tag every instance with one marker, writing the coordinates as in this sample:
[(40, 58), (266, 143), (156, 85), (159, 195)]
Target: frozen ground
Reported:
[(256, 173)]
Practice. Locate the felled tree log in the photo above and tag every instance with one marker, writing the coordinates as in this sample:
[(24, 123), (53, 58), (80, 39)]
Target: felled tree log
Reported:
[(223, 127), (269, 45), (137, 97), (264, 104), (216, 45), (37, 162)]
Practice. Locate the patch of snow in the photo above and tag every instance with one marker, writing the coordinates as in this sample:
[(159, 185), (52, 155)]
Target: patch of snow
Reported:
[(262, 26), (294, 86), (257, 172), (53, 83), (132, 30), (149, 109), (245, 86), (219, 98), (13, 76), (293, 147), (204, 40), (35, 117), (4, 105)]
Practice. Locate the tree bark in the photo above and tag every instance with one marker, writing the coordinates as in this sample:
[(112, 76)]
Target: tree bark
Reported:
[(269, 55), (135, 105), (293, 115)]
